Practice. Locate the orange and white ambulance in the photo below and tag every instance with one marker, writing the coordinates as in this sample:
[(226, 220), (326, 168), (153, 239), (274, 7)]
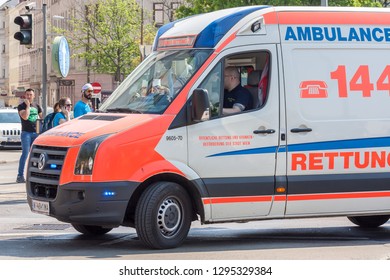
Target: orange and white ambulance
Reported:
[(160, 154)]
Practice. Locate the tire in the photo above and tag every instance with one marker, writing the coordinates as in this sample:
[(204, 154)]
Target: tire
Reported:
[(91, 230), (369, 221), (163, 215)]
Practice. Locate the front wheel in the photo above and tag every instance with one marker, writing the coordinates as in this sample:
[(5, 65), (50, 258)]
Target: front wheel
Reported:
[(91, 230), (163, 215), (369, 221)]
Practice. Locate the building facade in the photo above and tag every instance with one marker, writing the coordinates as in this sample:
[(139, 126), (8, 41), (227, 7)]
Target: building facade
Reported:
[(22, 68)]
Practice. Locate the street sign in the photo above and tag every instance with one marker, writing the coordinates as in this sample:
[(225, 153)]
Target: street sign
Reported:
[(97, 87)]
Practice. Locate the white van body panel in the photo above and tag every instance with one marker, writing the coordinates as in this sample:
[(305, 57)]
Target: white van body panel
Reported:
[(342, 129)]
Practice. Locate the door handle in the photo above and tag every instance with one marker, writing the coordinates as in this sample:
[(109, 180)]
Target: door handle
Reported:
[(298, 130), (264, 131)]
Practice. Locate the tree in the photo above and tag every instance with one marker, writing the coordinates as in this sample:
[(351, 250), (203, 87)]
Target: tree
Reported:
[(107, 33), (191, 7), (384, 3)]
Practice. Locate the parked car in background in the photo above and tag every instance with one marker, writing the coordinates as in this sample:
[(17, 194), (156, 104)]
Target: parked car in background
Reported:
[(10, 128)]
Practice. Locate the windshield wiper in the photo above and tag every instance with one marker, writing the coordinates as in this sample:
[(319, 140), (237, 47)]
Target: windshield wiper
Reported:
[(123, 110)]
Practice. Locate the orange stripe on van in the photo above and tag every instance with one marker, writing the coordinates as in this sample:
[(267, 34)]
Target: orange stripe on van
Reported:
[(280, 198), (236, 199), (226, 42), (271, 18), (178, 102), (314, 17), (338, 196)]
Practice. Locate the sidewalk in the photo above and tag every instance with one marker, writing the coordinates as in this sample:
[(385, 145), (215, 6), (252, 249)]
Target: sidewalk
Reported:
[(8, 156), (9, 189)]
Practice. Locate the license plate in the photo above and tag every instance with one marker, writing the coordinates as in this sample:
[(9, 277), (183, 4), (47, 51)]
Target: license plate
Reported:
[(41, 207), (13, 139)]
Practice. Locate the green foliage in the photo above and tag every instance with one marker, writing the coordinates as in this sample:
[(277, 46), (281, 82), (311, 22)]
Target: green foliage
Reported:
[(192, 7), (107, 34)]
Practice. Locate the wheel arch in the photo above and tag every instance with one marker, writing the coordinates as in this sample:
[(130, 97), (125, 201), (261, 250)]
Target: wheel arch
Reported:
[(195, 189)]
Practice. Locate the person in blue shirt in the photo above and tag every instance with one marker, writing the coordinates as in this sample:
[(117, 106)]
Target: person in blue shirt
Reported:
[(64, 114), (82, 106)]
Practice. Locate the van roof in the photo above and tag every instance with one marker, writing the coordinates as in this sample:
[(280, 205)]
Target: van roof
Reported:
[(201, 31), (206, 30)]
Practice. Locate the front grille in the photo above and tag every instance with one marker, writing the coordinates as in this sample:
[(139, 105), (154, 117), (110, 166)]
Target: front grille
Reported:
[(44, 170), (10, 132)]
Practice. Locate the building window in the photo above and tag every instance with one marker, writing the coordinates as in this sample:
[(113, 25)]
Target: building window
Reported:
[(3, 50), (158, 14), (164, 12), (174, 6)]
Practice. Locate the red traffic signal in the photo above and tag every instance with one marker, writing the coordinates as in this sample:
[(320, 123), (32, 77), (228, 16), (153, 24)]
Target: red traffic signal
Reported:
[(25, 35)]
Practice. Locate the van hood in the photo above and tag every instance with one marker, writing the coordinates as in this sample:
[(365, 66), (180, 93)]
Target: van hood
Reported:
[(77, 131)]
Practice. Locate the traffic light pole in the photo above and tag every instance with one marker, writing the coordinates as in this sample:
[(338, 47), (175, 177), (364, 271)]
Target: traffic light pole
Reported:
[(44, 63), (25, 37)]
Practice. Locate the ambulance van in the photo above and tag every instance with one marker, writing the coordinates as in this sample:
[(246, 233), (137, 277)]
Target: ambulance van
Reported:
[(159, 154)]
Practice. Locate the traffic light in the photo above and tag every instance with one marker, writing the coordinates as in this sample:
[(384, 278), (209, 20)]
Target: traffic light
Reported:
[(25, 35)]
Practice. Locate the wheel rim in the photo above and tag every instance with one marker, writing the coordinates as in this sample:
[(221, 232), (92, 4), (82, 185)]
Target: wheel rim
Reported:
[(169, 217)]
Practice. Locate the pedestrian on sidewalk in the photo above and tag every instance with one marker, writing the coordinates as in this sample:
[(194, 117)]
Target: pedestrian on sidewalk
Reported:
[(82, 106), (29, 112), (64, 114), (48, 121)]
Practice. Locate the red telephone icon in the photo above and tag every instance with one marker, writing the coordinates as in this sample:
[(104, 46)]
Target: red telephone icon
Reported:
[(313, 89)]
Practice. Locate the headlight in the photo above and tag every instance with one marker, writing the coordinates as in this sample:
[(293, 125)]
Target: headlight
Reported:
[(86, 156)]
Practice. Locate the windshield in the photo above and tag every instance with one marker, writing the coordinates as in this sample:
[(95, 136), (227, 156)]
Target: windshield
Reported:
[(152, 86), (9, 117)]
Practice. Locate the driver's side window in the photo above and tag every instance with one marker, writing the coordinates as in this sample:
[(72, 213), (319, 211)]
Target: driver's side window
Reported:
[(238, 83), (213, 84)]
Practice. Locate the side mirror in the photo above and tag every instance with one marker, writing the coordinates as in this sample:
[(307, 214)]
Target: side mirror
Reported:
[(200, 105)]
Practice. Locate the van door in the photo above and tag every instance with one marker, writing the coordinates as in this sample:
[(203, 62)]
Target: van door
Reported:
[(235, 155), (338, 126)]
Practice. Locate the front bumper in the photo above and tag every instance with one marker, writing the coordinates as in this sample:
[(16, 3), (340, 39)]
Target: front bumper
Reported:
[(102, 204), (10, 142)]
